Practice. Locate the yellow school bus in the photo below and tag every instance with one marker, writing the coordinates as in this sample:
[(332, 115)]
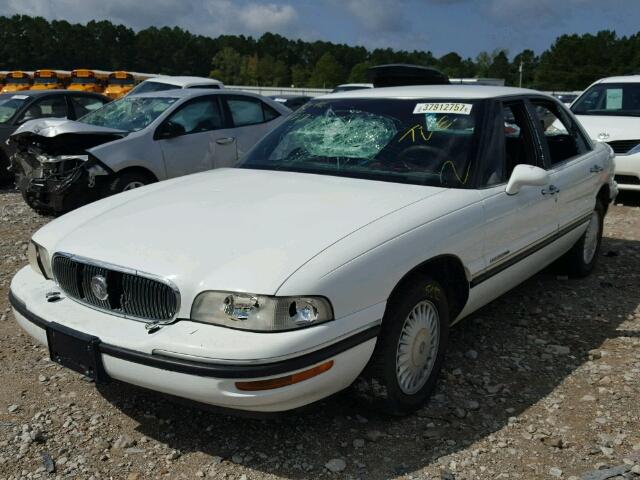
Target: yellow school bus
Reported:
[(119, 83), (48, 79), (86, 81), (16, 81)]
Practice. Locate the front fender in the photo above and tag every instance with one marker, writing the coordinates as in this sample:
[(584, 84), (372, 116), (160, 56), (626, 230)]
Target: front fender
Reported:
[(133, 151)]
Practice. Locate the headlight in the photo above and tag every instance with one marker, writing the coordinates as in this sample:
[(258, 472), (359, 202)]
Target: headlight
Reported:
[(39, 259), (260, 312)]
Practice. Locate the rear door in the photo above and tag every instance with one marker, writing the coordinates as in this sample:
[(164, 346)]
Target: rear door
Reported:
[(573, 165), (204, 143), (251, 119)]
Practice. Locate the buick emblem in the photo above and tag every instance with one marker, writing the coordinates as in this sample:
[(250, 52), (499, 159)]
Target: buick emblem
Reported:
[(99, 287), (603, 136)]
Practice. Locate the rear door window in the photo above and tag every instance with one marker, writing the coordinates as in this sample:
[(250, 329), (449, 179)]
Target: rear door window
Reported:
[(249, 111), (562, 137)]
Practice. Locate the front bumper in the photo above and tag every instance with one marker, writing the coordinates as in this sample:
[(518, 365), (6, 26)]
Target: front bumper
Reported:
[(58, 195), (207, 380), (628, 172)]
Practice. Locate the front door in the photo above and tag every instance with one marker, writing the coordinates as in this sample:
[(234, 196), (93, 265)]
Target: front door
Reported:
[(201, 143), (514, 224)]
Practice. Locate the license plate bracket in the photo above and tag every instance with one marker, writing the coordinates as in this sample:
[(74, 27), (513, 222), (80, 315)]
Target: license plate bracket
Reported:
[(77, 351)]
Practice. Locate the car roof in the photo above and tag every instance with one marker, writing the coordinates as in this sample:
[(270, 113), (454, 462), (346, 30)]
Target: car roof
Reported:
[(194, 92), (621, 79), (184, 81), (436, 91), (289, 96), (197, 92), (364, 85)]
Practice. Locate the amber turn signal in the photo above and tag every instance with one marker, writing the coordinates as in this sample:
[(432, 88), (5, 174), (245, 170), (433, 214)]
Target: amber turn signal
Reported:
[(284, 381)]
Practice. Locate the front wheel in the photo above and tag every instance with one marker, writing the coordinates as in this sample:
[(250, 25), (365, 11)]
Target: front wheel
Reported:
[(128, 181), (582, 258), (409, 353)]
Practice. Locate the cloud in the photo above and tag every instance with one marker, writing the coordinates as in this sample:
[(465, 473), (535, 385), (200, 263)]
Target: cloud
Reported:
[(380, 16), (256, 17), (211, 17), (553, 11)]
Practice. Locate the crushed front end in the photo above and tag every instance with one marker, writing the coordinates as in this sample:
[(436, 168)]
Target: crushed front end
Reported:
[(58, 174)]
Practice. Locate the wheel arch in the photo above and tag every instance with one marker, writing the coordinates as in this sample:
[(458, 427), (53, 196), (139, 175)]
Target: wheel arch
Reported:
[(138, 170), (604, 196), (449, 271)]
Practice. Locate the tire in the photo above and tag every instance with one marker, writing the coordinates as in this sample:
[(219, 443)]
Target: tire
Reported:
[(387, 382), (128, 181), (583, 256)]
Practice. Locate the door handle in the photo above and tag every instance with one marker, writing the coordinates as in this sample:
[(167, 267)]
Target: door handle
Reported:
[(552, 190), (596, 169), (225, 140)]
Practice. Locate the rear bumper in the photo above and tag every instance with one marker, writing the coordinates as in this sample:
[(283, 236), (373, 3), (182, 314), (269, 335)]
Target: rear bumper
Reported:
[(213, 382), (628, 172)]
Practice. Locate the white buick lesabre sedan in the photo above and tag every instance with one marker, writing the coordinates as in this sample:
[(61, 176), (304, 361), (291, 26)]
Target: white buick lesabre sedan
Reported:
[(345, 246)]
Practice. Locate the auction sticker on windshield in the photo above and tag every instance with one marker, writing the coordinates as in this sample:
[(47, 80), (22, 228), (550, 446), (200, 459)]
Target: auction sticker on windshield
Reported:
[(457, 108)]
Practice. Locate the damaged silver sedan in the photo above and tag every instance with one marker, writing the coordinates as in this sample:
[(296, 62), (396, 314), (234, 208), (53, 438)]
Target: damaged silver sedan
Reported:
[(139, 139)]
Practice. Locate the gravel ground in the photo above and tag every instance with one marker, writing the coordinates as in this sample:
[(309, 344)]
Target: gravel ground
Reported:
[(542, 383)]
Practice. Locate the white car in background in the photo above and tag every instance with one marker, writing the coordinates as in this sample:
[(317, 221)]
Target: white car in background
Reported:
[(343, 247), (168, 82), (137, 140), (610, 112), (349, 87)]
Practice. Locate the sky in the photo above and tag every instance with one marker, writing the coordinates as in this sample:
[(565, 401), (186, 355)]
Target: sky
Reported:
[(441, 26)]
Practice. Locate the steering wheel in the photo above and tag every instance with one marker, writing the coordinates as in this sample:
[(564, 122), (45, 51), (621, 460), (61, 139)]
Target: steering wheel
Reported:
[(428, 157)]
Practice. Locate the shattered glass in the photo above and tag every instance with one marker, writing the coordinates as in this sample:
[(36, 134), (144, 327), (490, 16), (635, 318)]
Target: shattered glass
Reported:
[(356, 134), (374, 138), (129, 113)]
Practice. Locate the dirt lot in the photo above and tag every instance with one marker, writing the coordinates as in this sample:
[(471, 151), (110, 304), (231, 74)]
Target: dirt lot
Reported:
[(543, 383)]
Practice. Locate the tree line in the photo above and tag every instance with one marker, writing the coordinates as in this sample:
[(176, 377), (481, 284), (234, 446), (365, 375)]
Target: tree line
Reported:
[(571, 63)]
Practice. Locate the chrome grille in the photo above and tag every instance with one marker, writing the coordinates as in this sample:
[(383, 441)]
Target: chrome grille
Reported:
[(130, 293), (88, 272), (623, 146), (66, 274)]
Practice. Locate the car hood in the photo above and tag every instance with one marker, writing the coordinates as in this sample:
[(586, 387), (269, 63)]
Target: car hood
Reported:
[(618, 128), (54, 136), (227, 229), (52, 127)]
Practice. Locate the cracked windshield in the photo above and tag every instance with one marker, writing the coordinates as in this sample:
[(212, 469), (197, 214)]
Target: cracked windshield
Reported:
[(129, 113), (423, 142)]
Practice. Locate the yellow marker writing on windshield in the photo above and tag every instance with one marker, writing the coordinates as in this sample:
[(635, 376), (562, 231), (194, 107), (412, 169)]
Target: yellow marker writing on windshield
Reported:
[(443, 123)]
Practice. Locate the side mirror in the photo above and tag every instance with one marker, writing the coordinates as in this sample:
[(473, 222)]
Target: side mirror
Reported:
[(170, 130), (526, 176)]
